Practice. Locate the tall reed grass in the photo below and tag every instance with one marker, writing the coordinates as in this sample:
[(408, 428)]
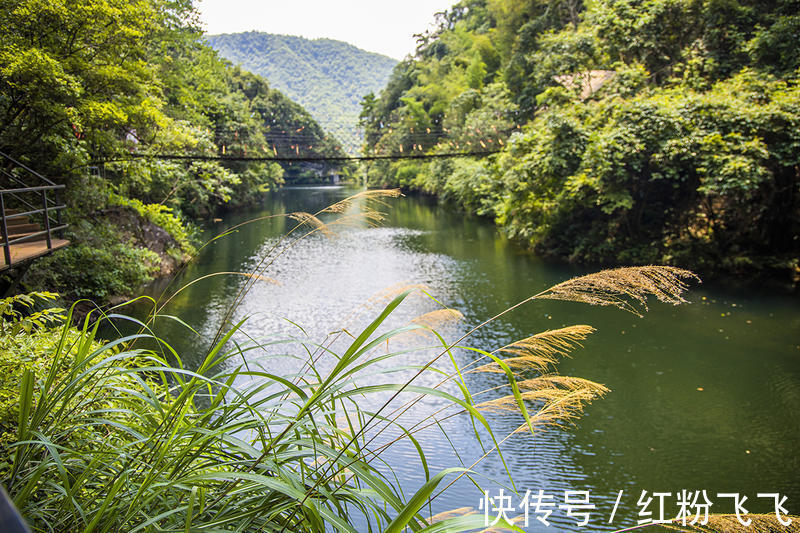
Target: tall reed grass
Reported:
[(121, 435)]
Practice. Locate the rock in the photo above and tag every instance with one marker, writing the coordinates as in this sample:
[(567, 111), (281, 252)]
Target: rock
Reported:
[(147, 235)]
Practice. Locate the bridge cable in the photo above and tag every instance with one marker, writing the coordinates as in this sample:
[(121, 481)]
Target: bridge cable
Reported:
[(283, 159)]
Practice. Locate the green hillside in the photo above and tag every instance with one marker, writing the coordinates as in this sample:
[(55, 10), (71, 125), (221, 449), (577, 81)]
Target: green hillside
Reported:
[(326, 77), (631, 131)]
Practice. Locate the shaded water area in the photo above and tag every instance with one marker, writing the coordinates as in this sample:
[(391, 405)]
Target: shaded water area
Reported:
[(703, 396)]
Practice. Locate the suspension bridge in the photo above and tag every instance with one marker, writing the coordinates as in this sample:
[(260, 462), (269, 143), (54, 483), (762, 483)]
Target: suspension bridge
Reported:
[(31, 205)]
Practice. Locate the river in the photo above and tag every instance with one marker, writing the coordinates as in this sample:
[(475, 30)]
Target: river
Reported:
[(704, 396)]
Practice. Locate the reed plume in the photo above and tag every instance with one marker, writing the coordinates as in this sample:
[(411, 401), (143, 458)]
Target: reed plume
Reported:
[(626, 288), (729, 523), (371, 217), (434, 319), (260, 277), (538, 352), (430, 322), (376, 196), (562, 397), (312, 221)]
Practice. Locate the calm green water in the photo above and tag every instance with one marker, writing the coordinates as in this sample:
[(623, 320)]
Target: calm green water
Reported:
[(703, 396)]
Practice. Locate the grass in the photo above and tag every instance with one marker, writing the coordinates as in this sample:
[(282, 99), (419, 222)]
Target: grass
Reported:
[(120, 435)]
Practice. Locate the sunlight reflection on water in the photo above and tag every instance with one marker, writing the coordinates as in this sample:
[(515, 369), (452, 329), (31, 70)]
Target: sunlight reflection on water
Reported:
[(682, 392)]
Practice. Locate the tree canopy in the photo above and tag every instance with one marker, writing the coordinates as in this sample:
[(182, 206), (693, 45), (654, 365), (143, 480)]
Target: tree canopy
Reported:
[(632, 131), (94, 92), (87, 82)]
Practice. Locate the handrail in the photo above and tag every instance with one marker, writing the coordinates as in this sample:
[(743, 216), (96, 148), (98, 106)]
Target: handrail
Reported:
[(22, 196), (37, 234), (16, 196), (5, 155), (35, 212), (32, 189), (4, 231), (11, 176)]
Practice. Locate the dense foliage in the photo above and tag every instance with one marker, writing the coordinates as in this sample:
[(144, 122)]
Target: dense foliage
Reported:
[(27, 343), (631, 131), (90, 90), (326, 77)]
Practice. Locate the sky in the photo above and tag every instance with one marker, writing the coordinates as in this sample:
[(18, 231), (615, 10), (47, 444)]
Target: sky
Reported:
[(383, 26)]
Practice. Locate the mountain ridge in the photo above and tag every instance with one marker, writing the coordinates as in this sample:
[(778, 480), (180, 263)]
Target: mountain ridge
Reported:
[(326, 76)]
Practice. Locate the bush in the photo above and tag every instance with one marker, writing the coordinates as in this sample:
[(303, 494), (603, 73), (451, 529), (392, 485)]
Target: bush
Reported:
[(28, 343), (162, 216), (98, 264)]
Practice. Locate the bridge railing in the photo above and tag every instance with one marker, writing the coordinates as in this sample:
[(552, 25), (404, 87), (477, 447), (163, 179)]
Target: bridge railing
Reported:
[(19, 201)]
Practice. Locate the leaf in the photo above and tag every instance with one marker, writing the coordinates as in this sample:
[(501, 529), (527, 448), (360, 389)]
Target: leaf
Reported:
[(407, 515)]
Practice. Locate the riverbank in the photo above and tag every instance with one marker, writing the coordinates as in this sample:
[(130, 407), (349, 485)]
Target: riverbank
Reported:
[(113, 252), (591, 140), (676, 372), (777, 272)]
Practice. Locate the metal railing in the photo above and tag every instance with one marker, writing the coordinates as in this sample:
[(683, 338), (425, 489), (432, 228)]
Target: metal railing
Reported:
[(41, 203)]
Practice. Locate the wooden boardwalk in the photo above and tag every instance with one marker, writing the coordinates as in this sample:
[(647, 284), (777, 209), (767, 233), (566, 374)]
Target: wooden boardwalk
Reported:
[(29, 250), (30, 215)]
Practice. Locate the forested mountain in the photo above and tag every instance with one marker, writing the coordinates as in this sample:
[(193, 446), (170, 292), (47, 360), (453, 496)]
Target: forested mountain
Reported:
[(327, 77), (94, 92), (631, 131)]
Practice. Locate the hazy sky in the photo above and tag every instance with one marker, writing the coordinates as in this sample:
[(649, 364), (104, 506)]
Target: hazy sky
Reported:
[(384, 26)]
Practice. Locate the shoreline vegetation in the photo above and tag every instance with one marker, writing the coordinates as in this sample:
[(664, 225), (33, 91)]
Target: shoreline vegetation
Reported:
[(630, 132), (90, 90), (781, 282), (118, 434)]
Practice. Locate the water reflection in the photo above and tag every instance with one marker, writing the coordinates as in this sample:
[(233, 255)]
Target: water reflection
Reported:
[(703, 396)]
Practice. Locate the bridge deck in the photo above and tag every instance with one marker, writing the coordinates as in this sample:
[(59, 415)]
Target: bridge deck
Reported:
[(29, 250)]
